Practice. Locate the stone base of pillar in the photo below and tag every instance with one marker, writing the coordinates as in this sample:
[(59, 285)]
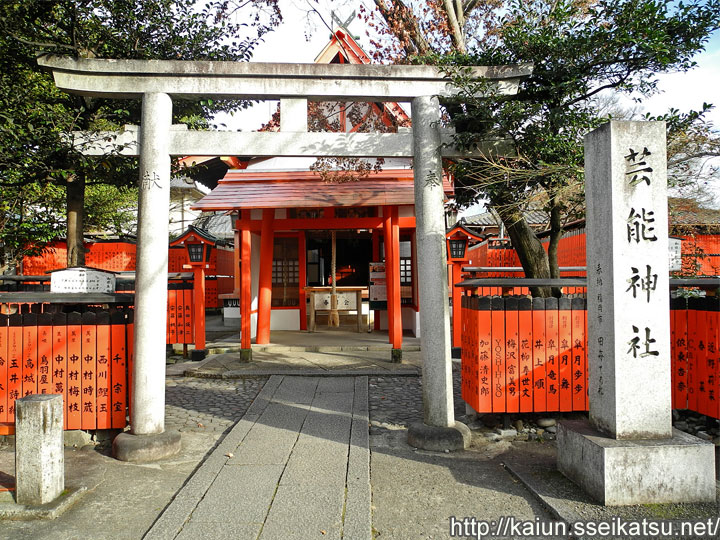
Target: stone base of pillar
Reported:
[(619, 472), (396, 356), (245, 355), (52, 510), (198, 354), (144, 448), (439, 439)]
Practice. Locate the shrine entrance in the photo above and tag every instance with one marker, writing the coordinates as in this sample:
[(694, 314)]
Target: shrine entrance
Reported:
[(291, 218)]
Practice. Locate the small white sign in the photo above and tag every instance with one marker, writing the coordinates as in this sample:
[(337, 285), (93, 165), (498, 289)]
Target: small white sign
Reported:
[(82, 280), (675, 252), (345, 301)]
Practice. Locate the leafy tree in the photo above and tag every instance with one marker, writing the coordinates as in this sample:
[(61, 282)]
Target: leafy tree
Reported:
[(579, 49), (34, 114), (34, 214), (693, 152), (26, 225)]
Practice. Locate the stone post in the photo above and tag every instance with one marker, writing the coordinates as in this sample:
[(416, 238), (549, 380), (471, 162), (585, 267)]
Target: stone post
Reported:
[(293, 115), (629, 454), (39, 454), (439, 431), (148, 440)]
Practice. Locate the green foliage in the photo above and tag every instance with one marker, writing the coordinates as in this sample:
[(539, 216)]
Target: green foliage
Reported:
[(33, 215), (578, 50), (110, 209), (34, 114), (27, 221)]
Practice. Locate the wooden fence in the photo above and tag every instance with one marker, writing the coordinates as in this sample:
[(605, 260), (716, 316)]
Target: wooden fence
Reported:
[(695, 338), (524, 355), (530, 355), (85, 357), (180, 324), (700, 254)]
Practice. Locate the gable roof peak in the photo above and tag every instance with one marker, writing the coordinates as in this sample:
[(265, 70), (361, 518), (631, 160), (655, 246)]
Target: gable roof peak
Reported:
[(341, 42)]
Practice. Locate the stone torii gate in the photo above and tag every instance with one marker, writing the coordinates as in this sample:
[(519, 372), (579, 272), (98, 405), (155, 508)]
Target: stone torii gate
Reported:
[(157, 83)]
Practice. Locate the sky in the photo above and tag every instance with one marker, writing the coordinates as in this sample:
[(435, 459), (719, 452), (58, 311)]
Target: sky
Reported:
[(289, 43)]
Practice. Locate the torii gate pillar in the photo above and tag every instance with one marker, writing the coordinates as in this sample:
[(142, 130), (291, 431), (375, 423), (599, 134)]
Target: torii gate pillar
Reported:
[(439, 431), (147, 439)]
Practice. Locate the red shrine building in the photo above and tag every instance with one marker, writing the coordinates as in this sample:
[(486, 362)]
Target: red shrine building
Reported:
[(285, 212)]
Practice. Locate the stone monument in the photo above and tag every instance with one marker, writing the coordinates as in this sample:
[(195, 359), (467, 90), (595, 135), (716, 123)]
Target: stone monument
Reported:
[(629, 453)]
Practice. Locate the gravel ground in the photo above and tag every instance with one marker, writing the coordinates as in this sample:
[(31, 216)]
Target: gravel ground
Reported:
[(208, 405), (396, 402)]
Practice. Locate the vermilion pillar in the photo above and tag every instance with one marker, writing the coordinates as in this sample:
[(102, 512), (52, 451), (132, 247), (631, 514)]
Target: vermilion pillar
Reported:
[(236, 262), (387, 244), (199, 306), (265, 293), (245, 289), (392, 273), (456, 301), (376, 257), (394, 276), (302, 255)]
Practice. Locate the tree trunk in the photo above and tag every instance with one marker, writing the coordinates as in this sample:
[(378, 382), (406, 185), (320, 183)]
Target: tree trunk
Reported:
[(455, 24), (556, 230), (530, 251), (75, 193)]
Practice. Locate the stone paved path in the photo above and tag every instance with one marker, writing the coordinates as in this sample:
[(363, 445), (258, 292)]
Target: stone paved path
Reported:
[(303, 447)]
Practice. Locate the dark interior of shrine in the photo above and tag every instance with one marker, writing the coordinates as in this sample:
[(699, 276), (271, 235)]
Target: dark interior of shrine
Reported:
[(353, 256)]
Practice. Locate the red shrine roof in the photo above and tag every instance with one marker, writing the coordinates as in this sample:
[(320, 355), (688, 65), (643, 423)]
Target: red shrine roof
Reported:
[(306, 189)]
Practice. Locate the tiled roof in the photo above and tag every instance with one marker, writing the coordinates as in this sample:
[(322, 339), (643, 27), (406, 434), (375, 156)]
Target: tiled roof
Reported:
[(305, 189), (219, 225), (533, 217)]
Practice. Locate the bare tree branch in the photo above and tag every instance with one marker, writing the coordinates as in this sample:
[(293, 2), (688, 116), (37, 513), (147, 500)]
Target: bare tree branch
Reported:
[(469, 6), (42, 44), (456, 32), (403, 23)]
